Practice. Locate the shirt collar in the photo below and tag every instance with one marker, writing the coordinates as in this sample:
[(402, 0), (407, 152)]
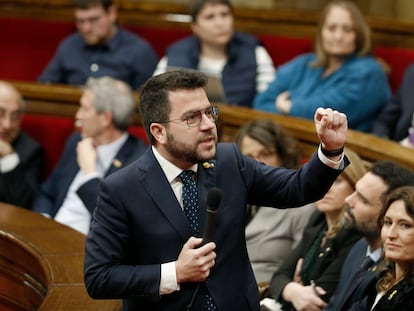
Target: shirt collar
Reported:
[(106, 153), (110, 45), (375, 255), (170, 170)]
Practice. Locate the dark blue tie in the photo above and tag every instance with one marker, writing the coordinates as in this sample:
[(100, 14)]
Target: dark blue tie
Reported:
[(190, 200), (190, 206)]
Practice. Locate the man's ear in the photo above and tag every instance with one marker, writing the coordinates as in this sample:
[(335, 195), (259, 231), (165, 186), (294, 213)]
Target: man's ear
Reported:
[(158, 131), (113, 13), (106, 118)]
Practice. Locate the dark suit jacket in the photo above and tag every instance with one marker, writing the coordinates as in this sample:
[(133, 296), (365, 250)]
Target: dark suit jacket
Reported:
[(53, 191), (399, 298), (139, 224), (20, 185), (351, 295), (327, 266), (395, 119)]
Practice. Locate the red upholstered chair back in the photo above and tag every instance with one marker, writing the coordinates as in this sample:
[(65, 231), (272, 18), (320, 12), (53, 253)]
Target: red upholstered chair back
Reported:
[(51, 132)]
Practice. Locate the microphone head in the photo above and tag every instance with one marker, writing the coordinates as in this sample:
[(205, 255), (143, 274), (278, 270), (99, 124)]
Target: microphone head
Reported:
[(213, 198)]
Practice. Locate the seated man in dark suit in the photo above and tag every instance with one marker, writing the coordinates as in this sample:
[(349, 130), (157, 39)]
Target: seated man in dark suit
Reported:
[(106, 110), (100, 48), (363, 207), (21, 158)]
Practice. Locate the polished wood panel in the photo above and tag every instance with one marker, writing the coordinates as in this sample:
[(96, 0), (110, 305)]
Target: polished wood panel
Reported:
[(41, 265), (47, 99)]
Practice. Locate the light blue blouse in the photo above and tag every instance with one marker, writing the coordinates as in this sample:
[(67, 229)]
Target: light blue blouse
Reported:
[(359, 89)]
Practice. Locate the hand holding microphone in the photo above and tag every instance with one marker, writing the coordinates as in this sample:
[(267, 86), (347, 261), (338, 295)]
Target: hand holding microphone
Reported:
[(213, 202)]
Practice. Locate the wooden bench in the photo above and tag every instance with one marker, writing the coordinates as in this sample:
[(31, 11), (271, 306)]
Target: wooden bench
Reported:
[(41, 264), (62, 101)]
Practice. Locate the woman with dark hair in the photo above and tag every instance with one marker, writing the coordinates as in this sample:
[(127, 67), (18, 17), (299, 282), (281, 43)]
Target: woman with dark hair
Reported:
[(341, 73), (395, 287)]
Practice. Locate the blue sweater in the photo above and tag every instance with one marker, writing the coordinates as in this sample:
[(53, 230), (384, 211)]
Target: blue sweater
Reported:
[(125, 57), (239, 73), (359, 89)]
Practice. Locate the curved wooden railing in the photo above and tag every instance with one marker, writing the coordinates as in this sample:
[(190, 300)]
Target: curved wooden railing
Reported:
[(62, 100), (41, 265)]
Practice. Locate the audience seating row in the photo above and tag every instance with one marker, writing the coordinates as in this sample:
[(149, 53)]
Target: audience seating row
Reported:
[(29, 43)]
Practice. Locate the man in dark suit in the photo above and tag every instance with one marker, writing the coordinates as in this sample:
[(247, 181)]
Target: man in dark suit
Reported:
[(21, 158), (106, 110), (360, 269), (145, 249), (397, 116)]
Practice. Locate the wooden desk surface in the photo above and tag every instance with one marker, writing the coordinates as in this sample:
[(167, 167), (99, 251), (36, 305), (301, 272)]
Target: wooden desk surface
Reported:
[(41, 264)]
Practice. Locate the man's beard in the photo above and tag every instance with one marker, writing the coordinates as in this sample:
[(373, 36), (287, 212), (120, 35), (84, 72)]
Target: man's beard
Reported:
[(184, 152), (368, 229)]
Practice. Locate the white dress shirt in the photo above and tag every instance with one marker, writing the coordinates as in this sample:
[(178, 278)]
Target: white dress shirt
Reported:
[(73, 212)]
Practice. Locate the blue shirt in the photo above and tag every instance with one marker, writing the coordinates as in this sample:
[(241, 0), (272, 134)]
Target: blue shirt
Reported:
[(359, 88), (126, 57)]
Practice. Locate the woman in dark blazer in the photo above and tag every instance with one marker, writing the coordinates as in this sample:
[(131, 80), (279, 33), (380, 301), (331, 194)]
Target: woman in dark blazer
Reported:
[(309, 275), (395, 287)]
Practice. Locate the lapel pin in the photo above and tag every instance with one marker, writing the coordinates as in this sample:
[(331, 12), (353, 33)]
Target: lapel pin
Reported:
[(116, 163), (208, 165)]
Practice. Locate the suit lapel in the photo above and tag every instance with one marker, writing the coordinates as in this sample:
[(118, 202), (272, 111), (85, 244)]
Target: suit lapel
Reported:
[(156, 184), (123, 156), (352, 284), (206, 180)]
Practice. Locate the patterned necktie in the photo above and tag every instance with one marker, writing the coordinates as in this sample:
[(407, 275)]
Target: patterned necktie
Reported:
[(190, 200), (190, 206), (366, 263)]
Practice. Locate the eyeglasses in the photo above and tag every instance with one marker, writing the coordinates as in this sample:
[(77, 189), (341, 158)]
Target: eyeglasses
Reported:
[(193, 118)]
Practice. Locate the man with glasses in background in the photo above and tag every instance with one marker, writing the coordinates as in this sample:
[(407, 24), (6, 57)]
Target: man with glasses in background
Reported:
[(144, 245), (100, 48)]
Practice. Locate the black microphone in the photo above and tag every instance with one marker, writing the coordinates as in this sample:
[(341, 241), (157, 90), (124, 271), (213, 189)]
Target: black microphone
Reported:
[(213, 202)]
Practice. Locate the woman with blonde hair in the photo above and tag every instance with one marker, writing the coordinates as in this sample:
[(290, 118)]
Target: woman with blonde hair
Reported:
[(341, 73)]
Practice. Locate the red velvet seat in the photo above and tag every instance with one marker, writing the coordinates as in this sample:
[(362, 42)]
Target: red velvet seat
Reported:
[(51, 132)]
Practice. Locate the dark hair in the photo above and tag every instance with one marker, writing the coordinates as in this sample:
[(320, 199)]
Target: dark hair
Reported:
[(86, 4), (393, 175), (154, 102), (197, 5), (273, 137), (405, 194)]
